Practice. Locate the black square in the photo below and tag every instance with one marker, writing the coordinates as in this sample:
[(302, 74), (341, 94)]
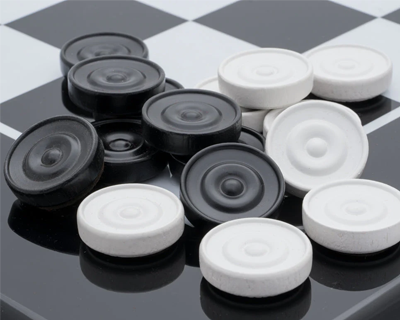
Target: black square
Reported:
[(384, 156), (368, 110), (294, 25), (394, 16), (47, 101), (66, 20), (5, 145)]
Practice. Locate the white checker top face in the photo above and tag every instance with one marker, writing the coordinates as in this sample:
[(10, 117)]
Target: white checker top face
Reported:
[(255, 249), (315, 142), (273, 114), (265, 68), (130, 209), (361, 216), (376, 34), (266, 78), (354, 205), (348, 63), (130, 219)]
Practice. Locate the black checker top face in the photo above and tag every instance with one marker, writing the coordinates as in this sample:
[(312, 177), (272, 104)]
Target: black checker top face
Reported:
[(57, 148), (114, 85), (55, 162), (100, 44), (116, 75), (191, 112), (48, 273), (230, 181), (186, 121)]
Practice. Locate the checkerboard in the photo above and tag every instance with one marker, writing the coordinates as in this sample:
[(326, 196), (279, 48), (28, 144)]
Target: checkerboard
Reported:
[(189, 39)]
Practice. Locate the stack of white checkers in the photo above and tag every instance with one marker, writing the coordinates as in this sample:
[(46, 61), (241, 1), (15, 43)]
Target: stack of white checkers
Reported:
[(266, 81)]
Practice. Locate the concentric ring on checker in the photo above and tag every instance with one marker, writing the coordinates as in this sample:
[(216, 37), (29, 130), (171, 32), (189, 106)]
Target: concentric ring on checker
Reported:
[(273, 114), (250, 117), (55, 162), (128, 157), (100, 44), (255, 257), (349, 72), (115, 85), (230, 181), (353, 216), (266, 78), (130, 220), (183, 122), (315, 142)]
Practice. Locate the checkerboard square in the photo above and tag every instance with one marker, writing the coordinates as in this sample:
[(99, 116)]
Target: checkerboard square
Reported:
[(26, 63), (295, 25), (191, 52), (188, 9), (41, 103), (384, 159), (62, 22), (376, 8), (394, 16), (15, 9), (375, 34), (5, 145)]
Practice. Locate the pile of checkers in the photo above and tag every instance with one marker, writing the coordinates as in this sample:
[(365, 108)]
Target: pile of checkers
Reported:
[(232, 178)]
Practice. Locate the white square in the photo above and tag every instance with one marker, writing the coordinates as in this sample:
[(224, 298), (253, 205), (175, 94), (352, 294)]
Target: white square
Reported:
[(188, 9), (14, 9), (377, 8), (379, 34), (191, 52), (26, 63)]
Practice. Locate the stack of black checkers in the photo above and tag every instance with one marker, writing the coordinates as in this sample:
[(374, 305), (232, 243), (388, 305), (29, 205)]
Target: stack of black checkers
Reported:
[(109, 75), (109, 78), (59, 161)]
